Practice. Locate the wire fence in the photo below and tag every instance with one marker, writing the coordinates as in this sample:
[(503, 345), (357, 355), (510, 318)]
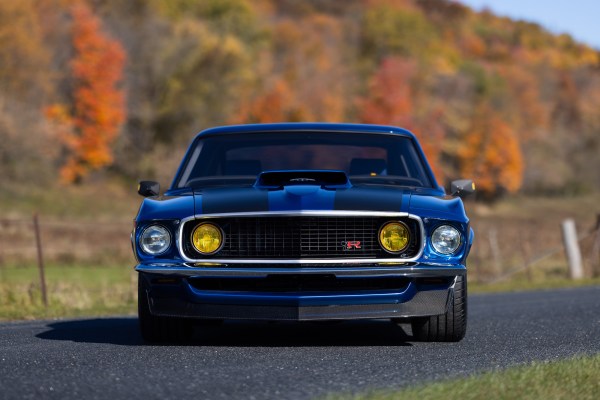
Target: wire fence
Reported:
[(502, 249), (530, 249), (65, 242), (51, 265)]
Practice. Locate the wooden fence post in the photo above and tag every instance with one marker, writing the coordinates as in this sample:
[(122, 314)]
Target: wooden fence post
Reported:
[(495, 249), (596, 248), (40, 257), (526, 252), (572, 249)]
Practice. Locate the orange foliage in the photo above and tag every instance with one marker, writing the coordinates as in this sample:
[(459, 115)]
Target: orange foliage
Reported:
[(426, 65), (491, 155), (98, 111), (473, 45), (389, 100), (533, 115), (431, 133), (321, 69), (306, 73), (275, 105), (396, 4)]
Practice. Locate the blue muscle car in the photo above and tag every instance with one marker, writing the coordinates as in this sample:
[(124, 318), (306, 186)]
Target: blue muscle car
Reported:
[(302, 222)]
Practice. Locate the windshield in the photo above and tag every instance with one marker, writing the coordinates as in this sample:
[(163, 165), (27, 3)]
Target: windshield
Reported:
[(365, 158)]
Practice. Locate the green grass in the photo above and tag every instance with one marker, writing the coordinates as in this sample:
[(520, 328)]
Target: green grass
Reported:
[(577, 378), (72, 291), (104, 200), (520, 285)]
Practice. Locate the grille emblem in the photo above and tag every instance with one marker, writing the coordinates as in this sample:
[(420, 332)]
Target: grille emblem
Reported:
[(351, 245)]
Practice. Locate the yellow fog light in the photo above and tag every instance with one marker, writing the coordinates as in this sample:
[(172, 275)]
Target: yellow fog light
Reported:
[(394, 237), (207, 238)]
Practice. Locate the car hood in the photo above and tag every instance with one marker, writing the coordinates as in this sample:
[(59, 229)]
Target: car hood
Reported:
[(218, 200), (426, 203)]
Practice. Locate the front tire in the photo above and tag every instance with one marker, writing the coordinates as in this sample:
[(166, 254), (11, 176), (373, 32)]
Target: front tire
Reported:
[(448, 327), (159, 329)]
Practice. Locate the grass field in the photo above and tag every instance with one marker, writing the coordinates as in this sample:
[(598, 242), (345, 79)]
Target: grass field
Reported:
[(72, 291), (92, 202), (578, 378), (520, 285)]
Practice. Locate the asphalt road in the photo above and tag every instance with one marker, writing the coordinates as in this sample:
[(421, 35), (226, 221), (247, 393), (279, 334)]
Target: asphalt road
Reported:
[(106, 358)]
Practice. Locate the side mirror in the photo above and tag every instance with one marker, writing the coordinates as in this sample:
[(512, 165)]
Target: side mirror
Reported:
[(462, 187), (148, 188)]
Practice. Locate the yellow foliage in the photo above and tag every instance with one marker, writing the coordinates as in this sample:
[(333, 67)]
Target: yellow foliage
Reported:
[(24, 58)]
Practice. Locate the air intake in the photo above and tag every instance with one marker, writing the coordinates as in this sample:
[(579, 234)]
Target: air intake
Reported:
[(278, 179)]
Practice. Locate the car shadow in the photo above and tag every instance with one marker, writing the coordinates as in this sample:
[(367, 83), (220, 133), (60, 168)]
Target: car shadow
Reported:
[(119, 331), (124, 331)]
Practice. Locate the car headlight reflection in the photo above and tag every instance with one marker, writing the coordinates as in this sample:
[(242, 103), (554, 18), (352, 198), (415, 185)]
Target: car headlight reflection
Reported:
[(207, 238), (445, 239), (394, 237), (155, 240)]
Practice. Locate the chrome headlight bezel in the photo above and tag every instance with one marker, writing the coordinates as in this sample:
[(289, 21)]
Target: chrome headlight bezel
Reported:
[(159, 232), (446, 240)]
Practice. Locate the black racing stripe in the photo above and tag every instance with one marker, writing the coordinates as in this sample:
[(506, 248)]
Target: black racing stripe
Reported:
[(226, 200), (369, 199)]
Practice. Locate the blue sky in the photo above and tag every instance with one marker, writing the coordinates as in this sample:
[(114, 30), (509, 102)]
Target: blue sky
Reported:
[(579, 18)]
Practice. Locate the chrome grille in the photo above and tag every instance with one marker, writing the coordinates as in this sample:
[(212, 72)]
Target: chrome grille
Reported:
[(293, 237)]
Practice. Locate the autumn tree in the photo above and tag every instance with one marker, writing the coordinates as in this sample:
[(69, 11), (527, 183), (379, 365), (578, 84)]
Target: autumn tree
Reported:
[(26, 145), (392, 99), (92, 123), (274, 105), (311, 57), (395, 28), (389, 99), (530, 114), (306, 69), (448, 73), (24, 57), (491, 155)]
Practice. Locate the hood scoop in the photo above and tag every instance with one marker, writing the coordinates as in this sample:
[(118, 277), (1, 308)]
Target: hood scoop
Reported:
[(324, 179)]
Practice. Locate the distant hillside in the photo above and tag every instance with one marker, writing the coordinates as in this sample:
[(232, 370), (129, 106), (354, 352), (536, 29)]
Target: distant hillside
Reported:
[(504, 102)]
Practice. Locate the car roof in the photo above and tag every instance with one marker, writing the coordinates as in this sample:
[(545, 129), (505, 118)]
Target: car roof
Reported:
[(306, 126)]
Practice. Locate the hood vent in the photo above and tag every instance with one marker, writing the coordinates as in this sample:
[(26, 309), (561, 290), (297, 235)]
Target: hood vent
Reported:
[(279, 179)]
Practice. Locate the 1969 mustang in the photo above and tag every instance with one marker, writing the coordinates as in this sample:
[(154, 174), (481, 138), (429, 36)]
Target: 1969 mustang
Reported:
[(302, 222)]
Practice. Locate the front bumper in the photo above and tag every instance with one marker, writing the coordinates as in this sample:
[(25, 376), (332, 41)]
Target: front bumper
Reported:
[(173, 290)]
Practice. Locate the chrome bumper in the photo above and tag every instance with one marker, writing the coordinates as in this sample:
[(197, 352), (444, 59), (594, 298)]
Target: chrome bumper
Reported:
[(415, 271)]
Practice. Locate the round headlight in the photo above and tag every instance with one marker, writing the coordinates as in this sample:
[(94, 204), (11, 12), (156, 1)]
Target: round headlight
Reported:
[(207, 238), (394, 237), (445, 239), (155, 240)]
